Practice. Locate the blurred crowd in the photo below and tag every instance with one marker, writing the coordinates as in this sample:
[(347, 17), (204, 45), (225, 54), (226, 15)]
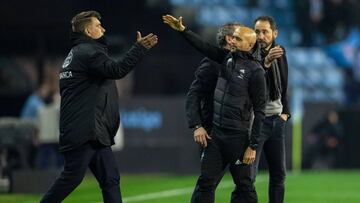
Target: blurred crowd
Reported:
[(326, 21)]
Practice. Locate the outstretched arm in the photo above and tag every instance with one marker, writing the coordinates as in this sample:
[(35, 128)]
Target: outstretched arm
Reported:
[(104, 66), (148, 41), (215, 53)]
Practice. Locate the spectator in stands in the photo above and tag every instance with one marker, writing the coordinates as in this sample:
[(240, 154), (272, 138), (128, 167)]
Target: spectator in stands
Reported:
[(324, 142), (335, 22), (30, 110), (35, 101), (48, 136), (309, 14)]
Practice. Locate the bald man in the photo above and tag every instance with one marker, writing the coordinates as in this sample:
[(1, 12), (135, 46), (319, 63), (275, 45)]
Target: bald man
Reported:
[(240, 90)]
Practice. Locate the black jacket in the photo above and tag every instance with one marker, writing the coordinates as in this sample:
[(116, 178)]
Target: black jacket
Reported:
[(282, 64), (240, 89), (89, 100), (199, 102)]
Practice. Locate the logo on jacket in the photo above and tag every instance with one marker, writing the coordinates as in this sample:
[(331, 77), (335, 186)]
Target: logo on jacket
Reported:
[(238, 162), (68, 59), (241, 73)]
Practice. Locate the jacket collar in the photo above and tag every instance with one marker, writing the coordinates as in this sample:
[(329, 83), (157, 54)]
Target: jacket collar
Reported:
[(242, 54), (256, 53), (79, 38)]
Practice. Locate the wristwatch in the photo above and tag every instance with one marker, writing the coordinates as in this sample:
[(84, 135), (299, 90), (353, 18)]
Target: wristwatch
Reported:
[(197, 127), (253, 147)]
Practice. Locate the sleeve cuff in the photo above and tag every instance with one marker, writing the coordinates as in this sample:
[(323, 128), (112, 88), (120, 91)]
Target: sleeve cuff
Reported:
[(253, 146), (141, 47)]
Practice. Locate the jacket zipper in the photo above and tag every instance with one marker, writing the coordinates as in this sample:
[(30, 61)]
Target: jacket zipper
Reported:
[(229, 77), (222, 104)]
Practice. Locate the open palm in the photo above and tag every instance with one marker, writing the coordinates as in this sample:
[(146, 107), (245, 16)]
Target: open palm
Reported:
[(173, 22)]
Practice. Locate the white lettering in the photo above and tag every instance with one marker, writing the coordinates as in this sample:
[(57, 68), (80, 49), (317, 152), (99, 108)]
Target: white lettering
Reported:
[(65, 75)]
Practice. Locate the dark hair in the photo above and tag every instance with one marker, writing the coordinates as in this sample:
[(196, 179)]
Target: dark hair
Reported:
[(81, 20), (269, 19), (226, 29)]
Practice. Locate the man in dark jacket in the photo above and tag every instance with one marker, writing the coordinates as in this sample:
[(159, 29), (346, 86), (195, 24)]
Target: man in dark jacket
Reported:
[(240, 90), (272, 137), (199, 103), (89, 114)]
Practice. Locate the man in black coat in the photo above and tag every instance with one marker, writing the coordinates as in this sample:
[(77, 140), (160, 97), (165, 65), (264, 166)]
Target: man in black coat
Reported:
[(240, 91), (89, 112), (272, 137), (199, 102)]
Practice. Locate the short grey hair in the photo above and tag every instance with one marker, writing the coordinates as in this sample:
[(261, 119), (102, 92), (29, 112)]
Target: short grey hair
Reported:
[(226, 29)]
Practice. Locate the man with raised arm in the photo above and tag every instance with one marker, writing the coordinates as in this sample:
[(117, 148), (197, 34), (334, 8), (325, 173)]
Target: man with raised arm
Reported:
[(89, 111), (240, 90), (199, 102)]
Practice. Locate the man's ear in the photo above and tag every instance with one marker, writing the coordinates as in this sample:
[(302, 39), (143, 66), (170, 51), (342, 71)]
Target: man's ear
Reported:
[(275, 33), (251, 45), (87, 32), (228, 39)]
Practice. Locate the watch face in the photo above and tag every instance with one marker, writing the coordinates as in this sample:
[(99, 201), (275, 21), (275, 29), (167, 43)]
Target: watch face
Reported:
[(197, 127)]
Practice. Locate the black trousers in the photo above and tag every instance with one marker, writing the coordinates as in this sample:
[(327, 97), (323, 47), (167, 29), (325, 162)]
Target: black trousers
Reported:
[(196, 193), (101, 161), (272, 143), (226, 148)]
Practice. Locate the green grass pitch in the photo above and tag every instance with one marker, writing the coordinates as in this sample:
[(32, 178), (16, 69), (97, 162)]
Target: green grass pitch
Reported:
[(305, 187)]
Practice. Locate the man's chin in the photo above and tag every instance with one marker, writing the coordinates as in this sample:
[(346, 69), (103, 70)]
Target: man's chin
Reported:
[(263, 45)]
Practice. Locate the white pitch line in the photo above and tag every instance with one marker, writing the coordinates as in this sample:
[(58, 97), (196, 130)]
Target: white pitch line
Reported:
[(176, 192)]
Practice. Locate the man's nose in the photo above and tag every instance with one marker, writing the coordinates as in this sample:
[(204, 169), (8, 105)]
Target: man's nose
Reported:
[(260, 36)]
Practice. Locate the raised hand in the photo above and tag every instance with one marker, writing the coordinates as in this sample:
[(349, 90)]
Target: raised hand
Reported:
[(174, 23), (148, 41), (273, 54)]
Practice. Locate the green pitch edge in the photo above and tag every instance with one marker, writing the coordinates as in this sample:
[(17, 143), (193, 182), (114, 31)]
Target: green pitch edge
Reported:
[(296, 146)]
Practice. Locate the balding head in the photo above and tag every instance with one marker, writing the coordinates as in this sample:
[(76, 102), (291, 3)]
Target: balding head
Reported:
[(244, 38)]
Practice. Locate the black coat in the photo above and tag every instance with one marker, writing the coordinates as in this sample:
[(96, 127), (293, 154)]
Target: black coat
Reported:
[(283, 70), (89, 100), (240, 90), (199, 102)]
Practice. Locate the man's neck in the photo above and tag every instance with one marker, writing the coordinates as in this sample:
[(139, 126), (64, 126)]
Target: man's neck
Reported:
[(227, 46)]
